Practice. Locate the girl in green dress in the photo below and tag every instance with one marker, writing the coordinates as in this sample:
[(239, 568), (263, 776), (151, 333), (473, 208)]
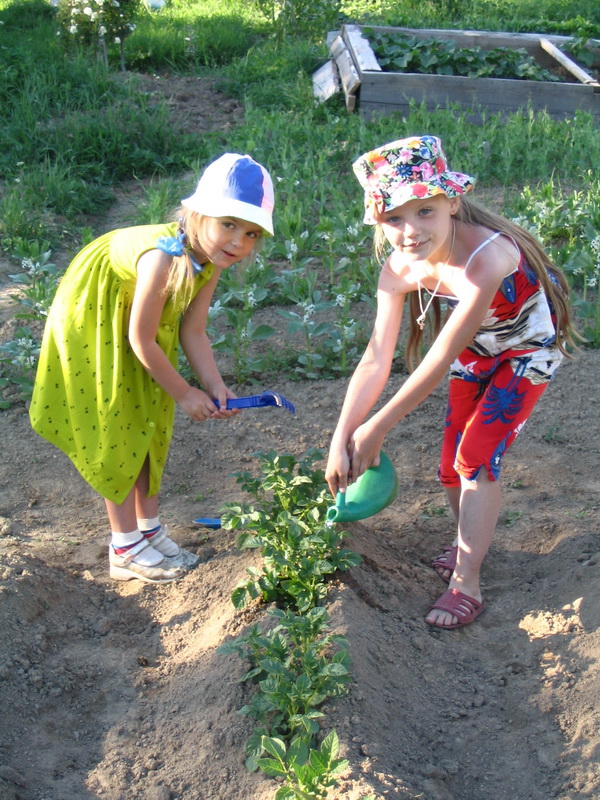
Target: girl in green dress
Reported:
[(107, 379)]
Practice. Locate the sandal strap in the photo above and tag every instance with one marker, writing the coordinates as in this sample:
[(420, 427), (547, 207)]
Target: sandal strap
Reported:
[(447, 558), (159, 536), (458, 604), (129, 554)]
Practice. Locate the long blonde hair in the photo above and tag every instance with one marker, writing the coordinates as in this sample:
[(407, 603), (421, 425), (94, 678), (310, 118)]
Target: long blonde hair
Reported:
[(180, 282), (551, 278)]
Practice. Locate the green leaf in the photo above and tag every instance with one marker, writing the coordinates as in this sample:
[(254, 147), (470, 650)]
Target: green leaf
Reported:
[(262, 332), (297, 752), (251, 764), (303, 684), (338, 766), (330, 746), (317, 762), (239, 597), (286, 793), (252, 673), (274, 746), (254, 745), (271, 767), (248, 541), (334, 670), (273, 666)]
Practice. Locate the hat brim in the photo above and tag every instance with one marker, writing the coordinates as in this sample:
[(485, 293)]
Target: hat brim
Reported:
[(452, 184), (229, 207)]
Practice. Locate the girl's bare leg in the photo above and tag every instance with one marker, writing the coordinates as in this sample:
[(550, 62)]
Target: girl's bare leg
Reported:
[(453, 498), (123, 517), (146, 507), (479, 508), (132, 555)]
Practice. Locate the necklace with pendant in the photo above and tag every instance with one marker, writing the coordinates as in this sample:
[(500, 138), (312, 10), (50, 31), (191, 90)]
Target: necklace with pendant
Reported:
[(421, 319)]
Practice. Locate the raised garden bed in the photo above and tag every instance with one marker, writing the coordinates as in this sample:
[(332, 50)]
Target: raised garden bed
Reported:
[(355, 70)]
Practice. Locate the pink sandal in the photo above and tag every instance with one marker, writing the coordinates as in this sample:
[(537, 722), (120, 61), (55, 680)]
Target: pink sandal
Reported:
[(446, 560), (460, 605)]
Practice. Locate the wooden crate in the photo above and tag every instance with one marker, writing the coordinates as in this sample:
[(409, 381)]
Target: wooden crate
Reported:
[(375, 91)]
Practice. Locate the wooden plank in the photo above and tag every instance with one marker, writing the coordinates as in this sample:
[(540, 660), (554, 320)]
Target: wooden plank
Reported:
[(326, 81), (569, 65), (348, 73), (396, 90), (331, 35), (359, 46), (501, 92)]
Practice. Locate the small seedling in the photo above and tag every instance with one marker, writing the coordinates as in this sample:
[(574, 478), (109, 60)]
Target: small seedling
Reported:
[(512, 517)]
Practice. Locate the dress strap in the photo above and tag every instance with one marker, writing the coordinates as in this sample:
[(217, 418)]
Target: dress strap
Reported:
[(481, 246)]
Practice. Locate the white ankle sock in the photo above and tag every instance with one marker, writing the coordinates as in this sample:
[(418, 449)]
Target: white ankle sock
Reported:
[(150, 527), (148, 557), (148, 524), (119, 539)]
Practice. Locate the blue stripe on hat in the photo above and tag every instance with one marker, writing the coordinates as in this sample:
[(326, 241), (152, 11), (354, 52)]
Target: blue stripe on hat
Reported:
[(245, 182)]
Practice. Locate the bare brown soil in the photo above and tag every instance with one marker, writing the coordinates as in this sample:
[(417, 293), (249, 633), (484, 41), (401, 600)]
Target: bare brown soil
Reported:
[(115, 690)]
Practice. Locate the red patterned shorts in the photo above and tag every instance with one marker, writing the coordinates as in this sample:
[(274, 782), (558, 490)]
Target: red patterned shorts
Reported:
[(483, 419)]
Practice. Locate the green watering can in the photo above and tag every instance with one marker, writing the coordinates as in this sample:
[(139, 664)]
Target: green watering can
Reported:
[(372, 492)]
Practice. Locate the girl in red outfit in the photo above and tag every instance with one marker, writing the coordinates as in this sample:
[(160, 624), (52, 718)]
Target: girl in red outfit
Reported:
[(506, 335)]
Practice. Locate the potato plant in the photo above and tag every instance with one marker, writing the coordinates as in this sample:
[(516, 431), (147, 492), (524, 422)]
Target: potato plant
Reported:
[(298, 663), (287, 522), (431, 56)]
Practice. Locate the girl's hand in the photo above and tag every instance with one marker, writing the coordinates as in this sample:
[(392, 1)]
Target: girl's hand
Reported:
[(338, 466), (198, 405), (363, 450), (221, 394)]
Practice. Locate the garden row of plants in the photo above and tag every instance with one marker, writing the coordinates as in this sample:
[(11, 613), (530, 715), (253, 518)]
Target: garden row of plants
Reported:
[(437, 56), (296, 662)]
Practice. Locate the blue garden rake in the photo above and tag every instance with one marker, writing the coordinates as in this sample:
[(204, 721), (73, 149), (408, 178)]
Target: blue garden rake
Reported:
[(268, 398)]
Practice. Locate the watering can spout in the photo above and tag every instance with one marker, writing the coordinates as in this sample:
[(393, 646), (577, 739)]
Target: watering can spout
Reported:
[(333, 514), (373, 491)]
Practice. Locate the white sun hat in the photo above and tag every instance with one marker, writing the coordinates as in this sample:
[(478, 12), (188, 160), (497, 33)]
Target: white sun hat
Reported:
[(235, 186)]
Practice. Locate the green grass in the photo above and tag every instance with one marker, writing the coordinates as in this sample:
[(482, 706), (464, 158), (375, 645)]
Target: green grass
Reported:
[(190, 36), (567, 17)]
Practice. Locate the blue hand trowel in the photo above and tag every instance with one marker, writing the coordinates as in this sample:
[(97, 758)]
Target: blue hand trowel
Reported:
[(371, 493)]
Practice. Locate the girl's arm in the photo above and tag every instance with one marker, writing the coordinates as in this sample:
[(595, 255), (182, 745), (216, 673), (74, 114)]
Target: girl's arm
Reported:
[(475, 292), (146, 310), (197, 348), (369, 378)]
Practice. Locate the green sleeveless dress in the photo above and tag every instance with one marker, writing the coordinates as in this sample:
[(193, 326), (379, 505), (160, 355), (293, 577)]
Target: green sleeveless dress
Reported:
[(92, 397)]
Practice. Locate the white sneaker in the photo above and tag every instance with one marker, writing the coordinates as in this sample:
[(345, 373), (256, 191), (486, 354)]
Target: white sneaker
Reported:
[(124, 567), (171, 550)]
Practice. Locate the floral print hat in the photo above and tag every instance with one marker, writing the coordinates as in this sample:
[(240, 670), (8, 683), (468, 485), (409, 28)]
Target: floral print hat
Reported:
[(404, 170)]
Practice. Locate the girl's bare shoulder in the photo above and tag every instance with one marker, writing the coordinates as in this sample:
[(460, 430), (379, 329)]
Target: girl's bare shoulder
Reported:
[(489, 252), (396, 275), (485, 245)]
